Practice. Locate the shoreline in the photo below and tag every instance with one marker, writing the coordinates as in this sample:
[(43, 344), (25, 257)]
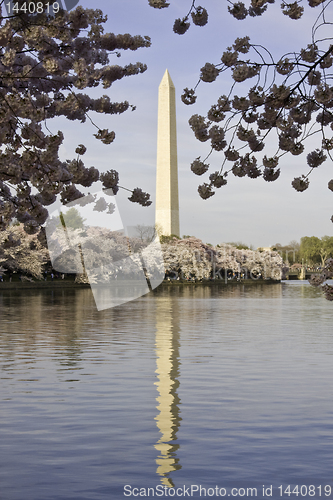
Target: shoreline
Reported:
[(176, 283), (18, 285)]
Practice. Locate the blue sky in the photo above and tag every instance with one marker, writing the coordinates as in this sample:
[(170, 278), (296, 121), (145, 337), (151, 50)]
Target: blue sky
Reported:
[(248, 210)]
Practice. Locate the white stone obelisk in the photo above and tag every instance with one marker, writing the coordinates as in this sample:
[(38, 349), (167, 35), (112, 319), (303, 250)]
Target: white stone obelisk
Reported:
[(167, 203)]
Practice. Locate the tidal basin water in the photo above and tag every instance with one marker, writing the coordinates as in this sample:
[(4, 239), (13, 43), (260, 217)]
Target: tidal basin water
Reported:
[(228, 387)]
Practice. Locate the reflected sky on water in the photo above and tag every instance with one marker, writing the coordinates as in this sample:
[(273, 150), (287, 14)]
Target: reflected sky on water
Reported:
[(188, 385)]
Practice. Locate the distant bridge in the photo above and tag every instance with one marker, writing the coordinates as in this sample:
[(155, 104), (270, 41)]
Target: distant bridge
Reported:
[(302, 273)]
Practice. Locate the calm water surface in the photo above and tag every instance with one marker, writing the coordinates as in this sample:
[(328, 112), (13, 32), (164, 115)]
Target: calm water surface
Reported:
[(227, 387)]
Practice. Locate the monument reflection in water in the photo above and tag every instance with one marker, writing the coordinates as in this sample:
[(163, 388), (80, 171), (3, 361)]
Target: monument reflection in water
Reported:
[(167, 361)]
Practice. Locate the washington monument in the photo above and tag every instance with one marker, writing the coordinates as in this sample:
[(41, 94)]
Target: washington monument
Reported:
[(167, 204)]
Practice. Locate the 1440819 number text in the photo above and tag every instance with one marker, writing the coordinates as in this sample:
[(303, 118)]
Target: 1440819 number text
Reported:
[(304, 490), (32, 8)]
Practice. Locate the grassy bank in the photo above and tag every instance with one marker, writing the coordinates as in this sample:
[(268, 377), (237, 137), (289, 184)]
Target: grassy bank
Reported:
[(21, 285), (25, 285)]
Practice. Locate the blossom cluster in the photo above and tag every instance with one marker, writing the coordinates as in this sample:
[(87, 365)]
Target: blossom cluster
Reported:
[(321, 278), (198, 14), (239, 10), (291, 97), (98, 254), (108, 255), (22, 253), (46, 61), (191, 258)]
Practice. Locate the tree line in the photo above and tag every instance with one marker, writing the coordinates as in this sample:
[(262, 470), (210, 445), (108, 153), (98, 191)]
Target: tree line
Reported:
[(24, 253), (106, 252), (310, 251)]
